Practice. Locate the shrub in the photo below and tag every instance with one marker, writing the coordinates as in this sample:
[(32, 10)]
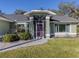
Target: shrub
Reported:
[(10, 37), (24, 35)]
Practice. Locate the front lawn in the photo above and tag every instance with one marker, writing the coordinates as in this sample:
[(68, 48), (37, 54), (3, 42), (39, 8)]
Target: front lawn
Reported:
[(58, 47)]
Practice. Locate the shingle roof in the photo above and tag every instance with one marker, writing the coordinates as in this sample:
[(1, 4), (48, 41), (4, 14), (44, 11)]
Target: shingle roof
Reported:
[(64, 18), (16, 17), (2, 17)]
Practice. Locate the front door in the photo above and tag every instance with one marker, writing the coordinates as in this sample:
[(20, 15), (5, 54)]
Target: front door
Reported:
[(39, 30)]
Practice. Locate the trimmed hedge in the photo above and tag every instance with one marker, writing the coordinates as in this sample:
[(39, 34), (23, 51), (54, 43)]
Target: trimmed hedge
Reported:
[(24, 35), (10, 38)]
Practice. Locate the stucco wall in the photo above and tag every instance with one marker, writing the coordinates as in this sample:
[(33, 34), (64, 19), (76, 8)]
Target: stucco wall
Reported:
[(73, 28), (4, 27), (31, 28)]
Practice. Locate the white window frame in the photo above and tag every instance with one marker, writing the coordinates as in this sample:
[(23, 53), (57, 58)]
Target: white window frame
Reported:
[(57, 29)]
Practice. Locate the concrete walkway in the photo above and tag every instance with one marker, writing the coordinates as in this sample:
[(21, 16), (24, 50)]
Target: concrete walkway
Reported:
[(20, 44)]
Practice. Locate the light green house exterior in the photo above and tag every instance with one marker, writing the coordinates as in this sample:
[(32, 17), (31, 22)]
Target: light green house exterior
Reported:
[(4, 25), (41, 24)]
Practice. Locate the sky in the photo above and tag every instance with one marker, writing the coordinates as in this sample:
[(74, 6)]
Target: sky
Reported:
[(9, 6)]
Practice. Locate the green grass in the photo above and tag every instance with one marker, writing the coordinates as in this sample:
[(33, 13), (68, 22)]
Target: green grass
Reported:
[(59, 47)]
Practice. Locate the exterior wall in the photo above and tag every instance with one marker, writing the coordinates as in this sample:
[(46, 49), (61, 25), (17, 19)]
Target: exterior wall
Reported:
[(72, 32), (12, 27), (4, 27), (31, 28), (73, 29)]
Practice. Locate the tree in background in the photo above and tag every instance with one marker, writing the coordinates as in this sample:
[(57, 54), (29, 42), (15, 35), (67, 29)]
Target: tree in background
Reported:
[(19, 11), (56, 11), (69, 8), (1, 12)]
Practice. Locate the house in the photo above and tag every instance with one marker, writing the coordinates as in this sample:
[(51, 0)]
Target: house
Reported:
[(40, 23)]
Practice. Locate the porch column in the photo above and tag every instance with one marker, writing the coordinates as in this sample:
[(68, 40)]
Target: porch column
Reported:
[(26, 28), (47, 26)]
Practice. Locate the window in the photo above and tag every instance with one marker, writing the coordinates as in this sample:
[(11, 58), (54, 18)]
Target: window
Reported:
[(62, 27), (20, 26)]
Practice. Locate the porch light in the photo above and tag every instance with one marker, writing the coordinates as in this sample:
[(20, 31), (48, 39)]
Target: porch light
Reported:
[(47, 17), (15, 20), (31, 18)]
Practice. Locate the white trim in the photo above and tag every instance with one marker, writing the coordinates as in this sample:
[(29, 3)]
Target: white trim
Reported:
[(4, 19), (48, 35), (20, 23), (70, 28), (45, 11), (65, 34)]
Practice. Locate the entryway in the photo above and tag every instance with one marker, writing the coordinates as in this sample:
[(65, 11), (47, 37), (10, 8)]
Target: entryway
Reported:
[(39, 30)]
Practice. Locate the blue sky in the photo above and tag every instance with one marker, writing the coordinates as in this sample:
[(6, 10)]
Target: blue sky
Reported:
[(8, 6)]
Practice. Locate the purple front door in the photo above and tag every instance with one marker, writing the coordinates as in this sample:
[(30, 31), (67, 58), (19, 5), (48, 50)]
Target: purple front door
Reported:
[(39, 30)]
